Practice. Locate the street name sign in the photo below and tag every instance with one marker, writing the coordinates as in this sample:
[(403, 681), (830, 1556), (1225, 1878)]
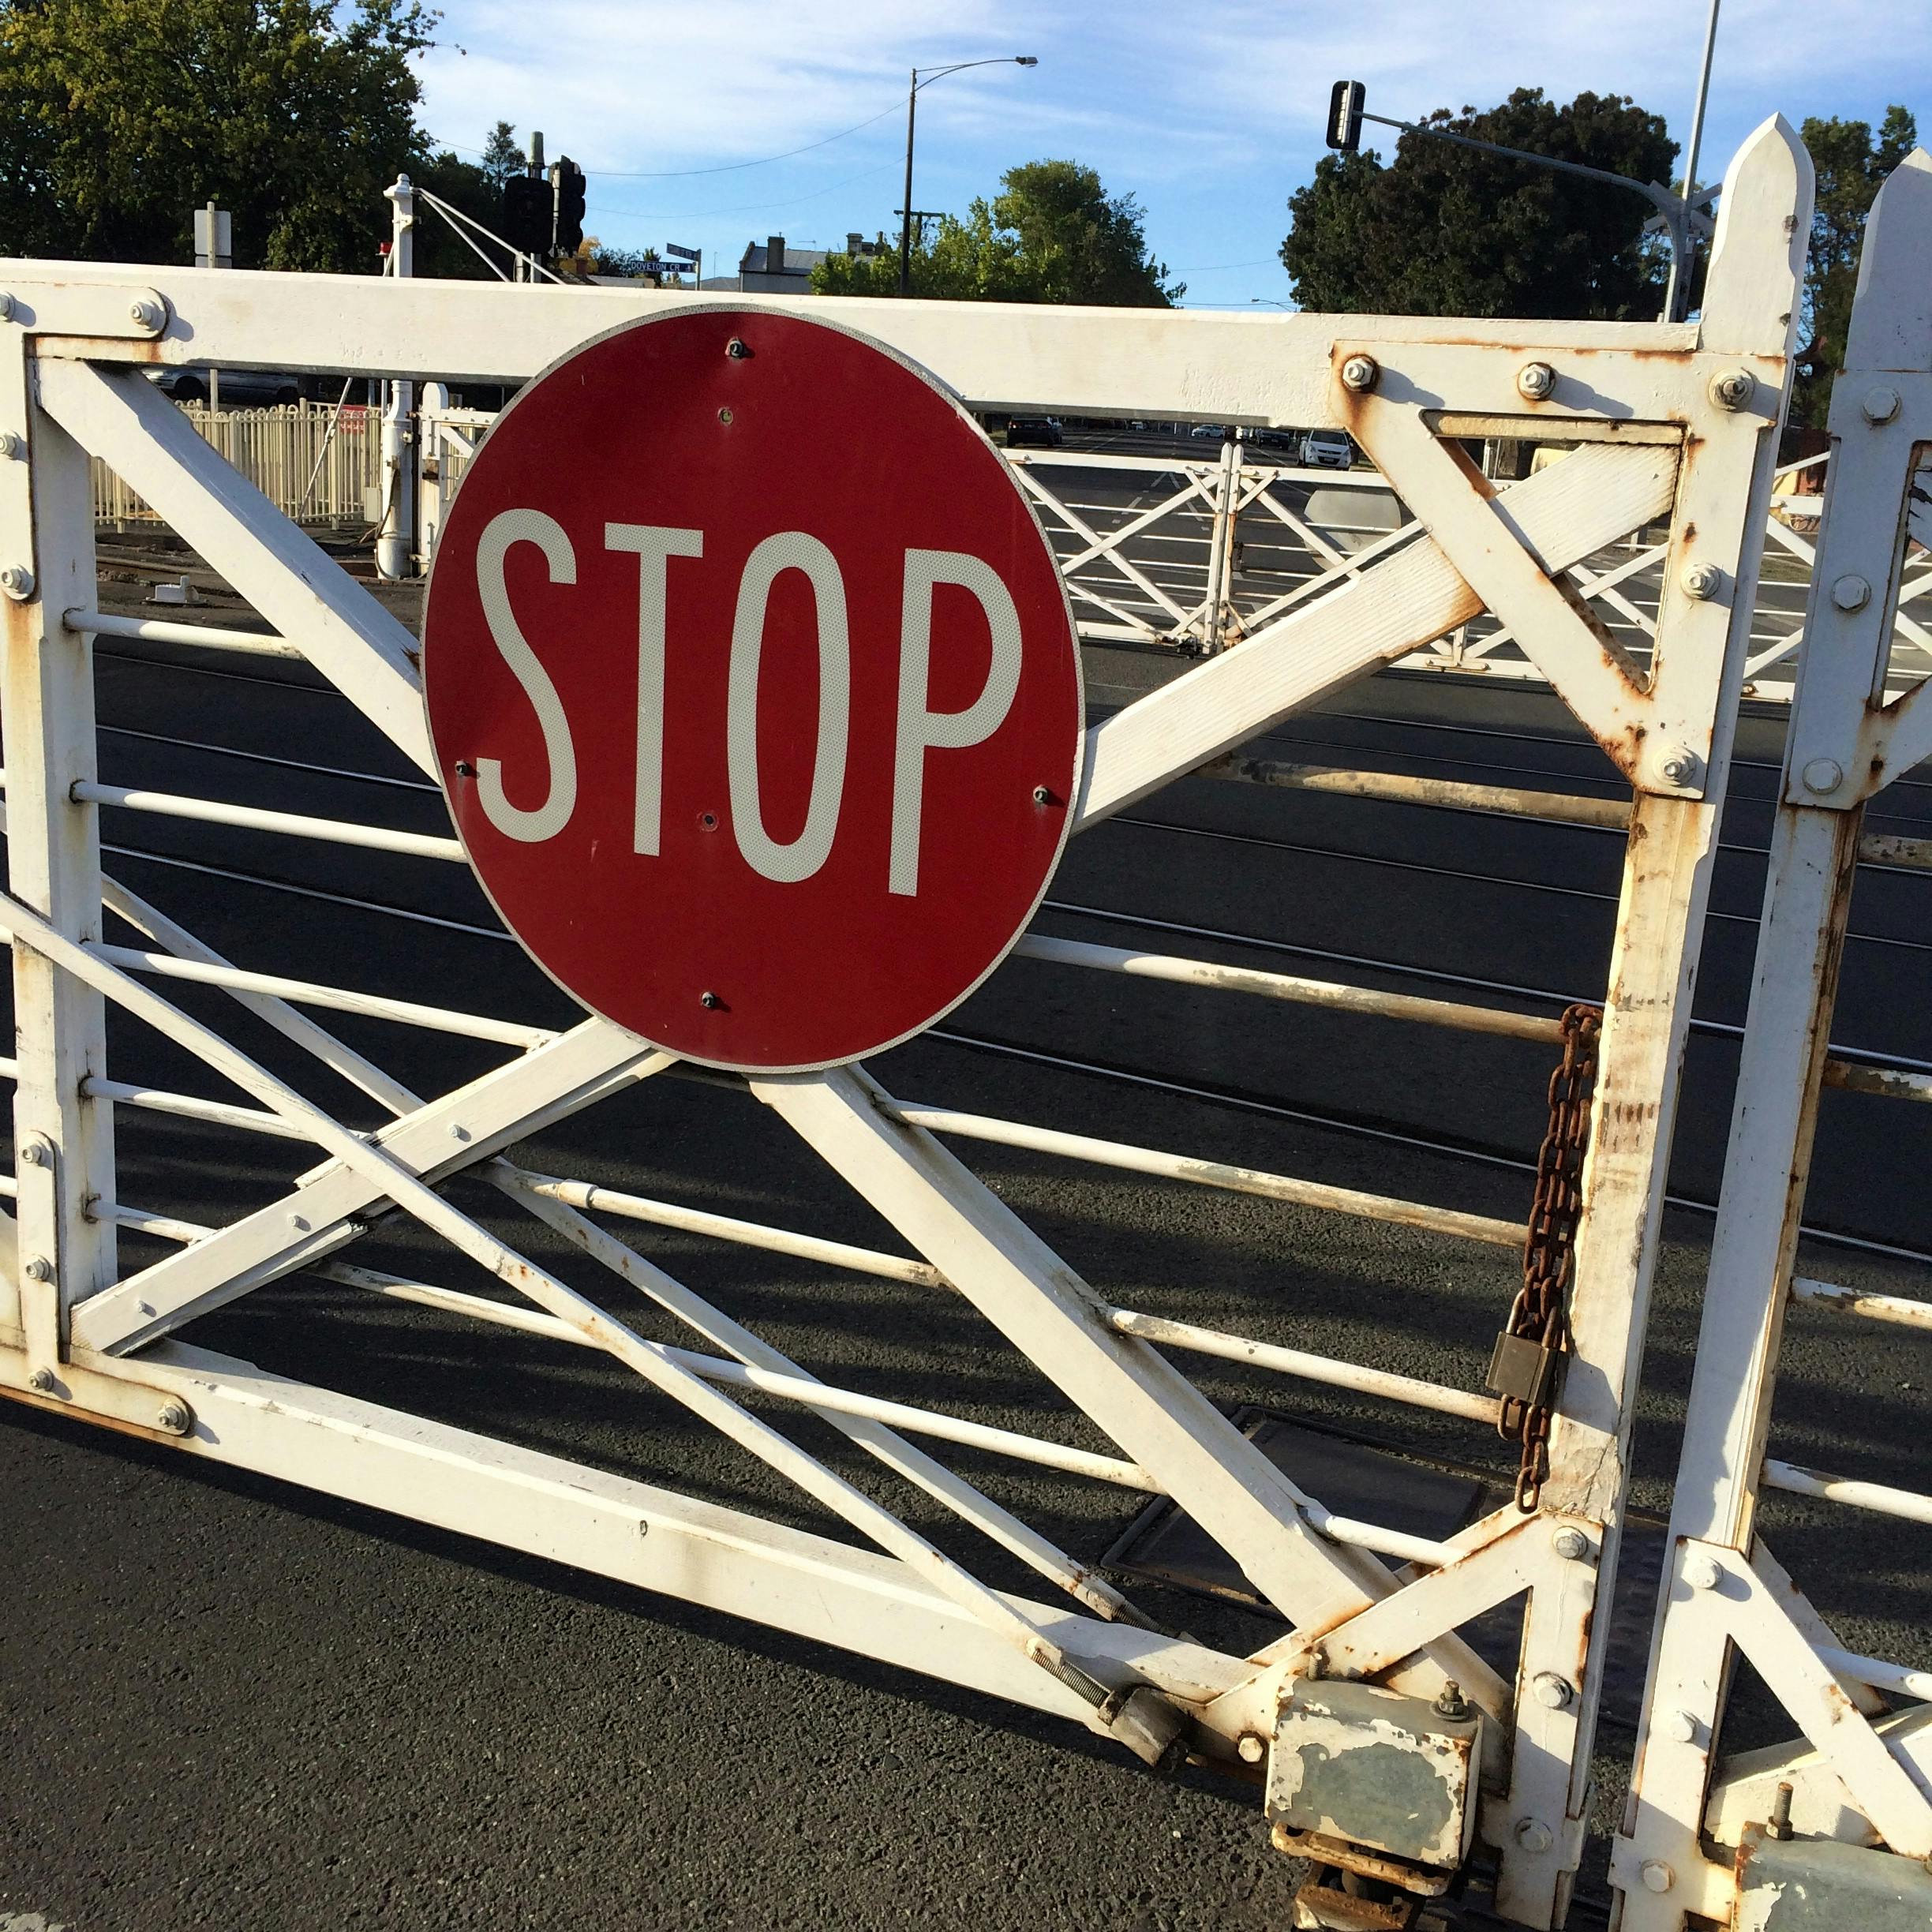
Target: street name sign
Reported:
[(754, 687)]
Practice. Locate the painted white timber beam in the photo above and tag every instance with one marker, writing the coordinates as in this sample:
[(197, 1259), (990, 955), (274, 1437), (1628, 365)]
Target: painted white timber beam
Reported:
[(565, 1512)]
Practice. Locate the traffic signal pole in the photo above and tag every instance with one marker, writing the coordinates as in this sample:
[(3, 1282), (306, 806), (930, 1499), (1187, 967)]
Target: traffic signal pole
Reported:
[(1345, 116)]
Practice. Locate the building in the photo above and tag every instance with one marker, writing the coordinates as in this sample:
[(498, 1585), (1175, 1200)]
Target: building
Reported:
[(771, 267)]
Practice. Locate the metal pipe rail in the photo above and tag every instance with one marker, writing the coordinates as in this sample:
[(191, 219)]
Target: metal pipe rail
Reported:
[(340, 999), (590, 1198), (1898, 1309), (1396, 789), (822, 1397), (160, 630), (1205, 1174), (252, 818), (1329, 993), (1882, 1499), (1305, 1367)]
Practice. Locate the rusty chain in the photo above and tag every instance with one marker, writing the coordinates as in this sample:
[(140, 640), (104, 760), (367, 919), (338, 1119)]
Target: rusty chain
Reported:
[(1525, 1371)]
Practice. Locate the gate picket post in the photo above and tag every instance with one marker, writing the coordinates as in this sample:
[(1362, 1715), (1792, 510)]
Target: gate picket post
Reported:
[(63, 1140)]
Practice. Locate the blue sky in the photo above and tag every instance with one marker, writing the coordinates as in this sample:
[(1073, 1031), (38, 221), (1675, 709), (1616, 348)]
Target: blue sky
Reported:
[(1210, 113)]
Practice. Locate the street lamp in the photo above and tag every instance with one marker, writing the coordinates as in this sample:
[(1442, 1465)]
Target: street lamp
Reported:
[(933, 74), (1268, 302)]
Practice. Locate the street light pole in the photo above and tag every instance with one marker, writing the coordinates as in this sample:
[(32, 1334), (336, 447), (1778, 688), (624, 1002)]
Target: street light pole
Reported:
[(1680, 268), (933, 74), (905, 207)]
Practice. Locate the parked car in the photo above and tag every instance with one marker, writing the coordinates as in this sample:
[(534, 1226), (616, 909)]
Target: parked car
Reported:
[(1033, 432), (240, 388), (1327, 449), (1217, 432)]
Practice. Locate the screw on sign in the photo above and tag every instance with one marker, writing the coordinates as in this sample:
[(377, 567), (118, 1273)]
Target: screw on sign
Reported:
[(753, 688)]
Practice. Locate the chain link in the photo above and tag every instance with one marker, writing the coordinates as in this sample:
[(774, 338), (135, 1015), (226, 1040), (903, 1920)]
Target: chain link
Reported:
[(1539, 1314)]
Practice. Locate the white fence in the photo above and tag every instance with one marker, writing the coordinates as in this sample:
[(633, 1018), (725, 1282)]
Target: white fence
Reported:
[(316, 463)]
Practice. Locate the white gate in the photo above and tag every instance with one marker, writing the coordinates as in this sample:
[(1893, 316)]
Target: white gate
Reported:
[(1738, 1838), (1678, 424)]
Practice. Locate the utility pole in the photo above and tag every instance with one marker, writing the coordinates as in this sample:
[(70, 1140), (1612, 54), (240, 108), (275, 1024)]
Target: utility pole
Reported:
[(214, 248), (396, 541)]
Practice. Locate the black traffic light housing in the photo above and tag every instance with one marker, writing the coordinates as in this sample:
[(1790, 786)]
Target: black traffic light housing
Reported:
[(526, 215), (566, 179), (1346, 102)]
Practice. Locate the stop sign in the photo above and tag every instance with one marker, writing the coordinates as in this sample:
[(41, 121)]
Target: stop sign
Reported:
[(754, 687)]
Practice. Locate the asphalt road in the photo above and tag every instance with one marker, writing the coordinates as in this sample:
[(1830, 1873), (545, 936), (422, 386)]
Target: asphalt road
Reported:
[(232, 1705)]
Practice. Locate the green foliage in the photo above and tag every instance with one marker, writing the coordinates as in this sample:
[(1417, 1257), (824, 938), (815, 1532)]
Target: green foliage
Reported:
[(502, 157), (119, 118), (1443, 231), (1052, 234), (1851, 166)]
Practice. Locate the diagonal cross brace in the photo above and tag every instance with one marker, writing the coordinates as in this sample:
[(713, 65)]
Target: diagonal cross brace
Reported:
[(366, 653), (1154, 1412), (579, 1067)]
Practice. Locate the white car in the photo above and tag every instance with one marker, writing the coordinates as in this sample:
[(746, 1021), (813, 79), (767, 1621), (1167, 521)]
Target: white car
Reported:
[(1327, 449)]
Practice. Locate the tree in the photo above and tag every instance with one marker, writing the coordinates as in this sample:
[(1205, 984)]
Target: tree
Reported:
[(119, 118), (1052, 234), (1851, 168), (1443, 231), (502, 157)]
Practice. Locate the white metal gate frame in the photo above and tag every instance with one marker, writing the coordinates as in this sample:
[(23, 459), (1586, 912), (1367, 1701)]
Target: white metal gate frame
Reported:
[(1685, 1849), (1685, 420)]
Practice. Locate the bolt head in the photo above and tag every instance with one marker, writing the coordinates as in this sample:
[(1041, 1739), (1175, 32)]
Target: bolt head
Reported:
[(17, 580), (1571, 1544), (709, 1001), (1658, 1876), (145, 313), (1730, 389), (1821, 775), (6, 306), (1536, 380), (1851, 593), (39, 1269), (1252, 1746), (1359, 372), (1880, 405), (1678, 766), (1534, 1836), (724, 414), (11, 446), (41, 1380), (1701, 1572), (736, 349), (1679, 1725), (457, 1131), (299, 1224), (34, 1154), (1553, 1692), (1702, 581), (173, 1417)]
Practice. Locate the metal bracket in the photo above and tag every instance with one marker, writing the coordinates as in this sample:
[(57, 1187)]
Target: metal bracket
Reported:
[(111, 311), (104, 1393)]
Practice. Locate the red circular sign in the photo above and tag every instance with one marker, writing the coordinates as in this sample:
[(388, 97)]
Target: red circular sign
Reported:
[(754, 687)]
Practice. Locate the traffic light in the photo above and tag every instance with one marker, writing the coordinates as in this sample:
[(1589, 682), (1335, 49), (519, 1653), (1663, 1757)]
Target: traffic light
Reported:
[(566, 178), (1346, 102), (526, 215)]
